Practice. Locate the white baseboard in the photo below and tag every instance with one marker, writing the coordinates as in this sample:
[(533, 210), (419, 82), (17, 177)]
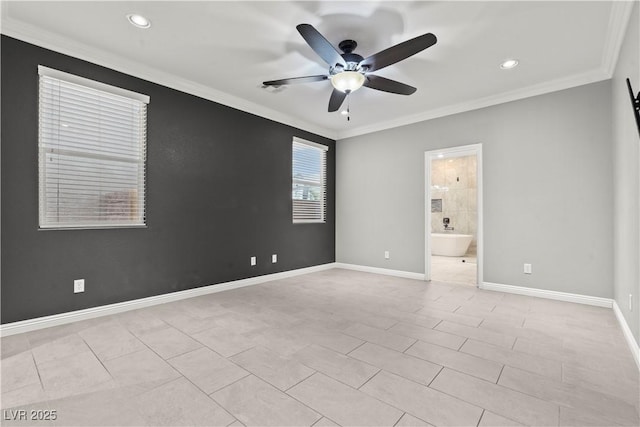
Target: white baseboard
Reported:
[(377, 270), (543, 293), (628, 335), (105, 310), (577, 298)]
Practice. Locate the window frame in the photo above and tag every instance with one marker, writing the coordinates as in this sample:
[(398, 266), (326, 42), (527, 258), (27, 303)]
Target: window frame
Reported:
[(322, 182), (140, 220)]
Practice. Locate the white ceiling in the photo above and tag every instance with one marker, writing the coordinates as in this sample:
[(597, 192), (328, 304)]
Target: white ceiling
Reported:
[(224, 50)]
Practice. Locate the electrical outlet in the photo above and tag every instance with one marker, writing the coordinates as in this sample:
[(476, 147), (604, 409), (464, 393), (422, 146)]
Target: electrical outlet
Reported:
[(386, 255), (253, 260), (78, 286), (274, 258), (630, 302), (527, 269)]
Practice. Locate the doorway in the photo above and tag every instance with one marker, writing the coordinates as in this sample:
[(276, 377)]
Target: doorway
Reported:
[(453, 215)]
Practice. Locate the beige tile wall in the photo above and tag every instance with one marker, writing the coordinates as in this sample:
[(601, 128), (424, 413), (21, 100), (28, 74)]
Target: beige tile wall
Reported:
[(454, 181)]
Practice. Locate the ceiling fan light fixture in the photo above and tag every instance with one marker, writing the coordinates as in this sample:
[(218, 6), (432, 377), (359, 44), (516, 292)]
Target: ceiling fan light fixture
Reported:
[(509, 64), (138, 20), (347, 81)]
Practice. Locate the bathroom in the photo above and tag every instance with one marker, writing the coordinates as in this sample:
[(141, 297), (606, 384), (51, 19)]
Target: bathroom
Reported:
[(454, 219)]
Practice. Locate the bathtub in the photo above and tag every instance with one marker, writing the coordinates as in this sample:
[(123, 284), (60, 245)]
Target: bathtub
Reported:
[(450, 244)]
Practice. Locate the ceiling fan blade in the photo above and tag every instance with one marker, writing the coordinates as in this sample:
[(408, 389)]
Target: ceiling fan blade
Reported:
[(307, 79), (320, 45), (398, 52), (336, 100), (388, 85)]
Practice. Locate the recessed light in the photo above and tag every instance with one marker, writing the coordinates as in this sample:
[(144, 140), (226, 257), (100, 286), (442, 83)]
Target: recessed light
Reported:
[(138, 20), (440, 155), (509, 64)]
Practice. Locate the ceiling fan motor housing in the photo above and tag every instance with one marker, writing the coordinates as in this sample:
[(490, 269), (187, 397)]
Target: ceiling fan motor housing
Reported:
[(352, 59)]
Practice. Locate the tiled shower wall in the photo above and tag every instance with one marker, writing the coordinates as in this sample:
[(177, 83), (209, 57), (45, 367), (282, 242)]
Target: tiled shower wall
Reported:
[(454, 181)]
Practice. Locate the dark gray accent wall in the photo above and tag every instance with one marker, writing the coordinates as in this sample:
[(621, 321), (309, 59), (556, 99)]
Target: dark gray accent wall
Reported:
[(218, 192)]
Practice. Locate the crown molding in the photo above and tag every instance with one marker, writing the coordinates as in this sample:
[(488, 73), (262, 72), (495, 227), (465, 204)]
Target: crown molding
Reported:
[(39, 37), (618, 22), (488, 101), (619, 18)]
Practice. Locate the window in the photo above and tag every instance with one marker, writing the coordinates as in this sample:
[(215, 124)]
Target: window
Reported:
[(309, 174), (92, 151)]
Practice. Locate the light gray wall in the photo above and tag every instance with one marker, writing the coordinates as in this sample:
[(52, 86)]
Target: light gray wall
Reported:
[(548, 197), (626, 180)]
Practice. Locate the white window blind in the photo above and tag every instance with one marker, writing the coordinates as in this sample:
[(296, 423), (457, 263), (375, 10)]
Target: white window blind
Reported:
[(309, 174), (92, 152)]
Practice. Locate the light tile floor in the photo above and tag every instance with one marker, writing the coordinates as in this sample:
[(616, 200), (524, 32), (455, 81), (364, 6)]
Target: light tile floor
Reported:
[(453, 269), (331, 348)]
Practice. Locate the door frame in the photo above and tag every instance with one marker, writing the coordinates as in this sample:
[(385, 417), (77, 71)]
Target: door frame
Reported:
[(460, 151)]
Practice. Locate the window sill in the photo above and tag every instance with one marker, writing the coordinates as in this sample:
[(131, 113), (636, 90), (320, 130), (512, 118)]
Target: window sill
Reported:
[(92, 227)]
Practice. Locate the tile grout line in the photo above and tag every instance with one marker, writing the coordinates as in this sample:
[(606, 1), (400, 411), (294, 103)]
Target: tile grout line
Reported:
[(523, 320), (340, 380), (97, 358), (304, 404), (235, 420), (396, 423), (386, 329), (47, 400), (186, 352), (435, 376), (463, 343), (369, 379), (456, 397), (35, 364), (169, 365), (389, 403), (223, 387), (198, 387), (323, 416), (499, 375), (302, 380), (559, 405), (360, 345), (212, 399), (411, 345), (409, 348), (481, 415)]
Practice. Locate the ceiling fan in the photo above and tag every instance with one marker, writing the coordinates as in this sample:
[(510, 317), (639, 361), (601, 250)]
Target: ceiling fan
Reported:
[(349, 71)]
